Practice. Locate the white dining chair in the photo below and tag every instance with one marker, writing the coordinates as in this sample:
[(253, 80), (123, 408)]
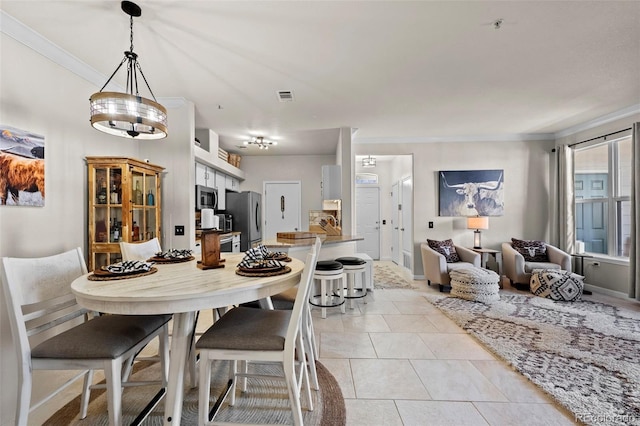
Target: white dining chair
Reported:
[(140, 251), (260, 335), (143, 251), (52, 332)]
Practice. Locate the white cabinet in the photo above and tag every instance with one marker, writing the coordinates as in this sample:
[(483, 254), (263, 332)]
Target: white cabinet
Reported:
[(220, 185), (331, 184), (235, 244), (232, 184), (205, 175)]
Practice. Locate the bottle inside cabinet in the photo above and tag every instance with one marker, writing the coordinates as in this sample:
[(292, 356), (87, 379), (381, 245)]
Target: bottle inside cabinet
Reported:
[(137, 194), (102, 192)]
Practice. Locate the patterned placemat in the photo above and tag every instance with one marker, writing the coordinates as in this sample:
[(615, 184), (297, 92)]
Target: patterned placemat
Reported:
[(284, 270), (110, 277)]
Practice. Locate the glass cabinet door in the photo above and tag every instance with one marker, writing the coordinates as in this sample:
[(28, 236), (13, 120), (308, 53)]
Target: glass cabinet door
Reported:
[(107, 207), (144, 218)]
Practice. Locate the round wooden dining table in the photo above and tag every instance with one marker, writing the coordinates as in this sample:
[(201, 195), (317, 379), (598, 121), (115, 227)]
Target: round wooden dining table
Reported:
[(181, 289)]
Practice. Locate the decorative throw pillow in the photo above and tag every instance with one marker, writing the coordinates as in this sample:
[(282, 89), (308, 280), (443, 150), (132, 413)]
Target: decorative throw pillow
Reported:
[(445, 248), (556, 284), (531, 250)]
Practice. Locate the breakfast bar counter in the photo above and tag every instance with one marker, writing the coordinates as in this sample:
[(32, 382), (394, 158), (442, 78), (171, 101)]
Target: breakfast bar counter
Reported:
[(333, 246), (277, 243)]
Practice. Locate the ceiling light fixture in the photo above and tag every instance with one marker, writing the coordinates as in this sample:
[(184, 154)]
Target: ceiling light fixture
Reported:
[(128, 114), (261, 142), (369, 161)]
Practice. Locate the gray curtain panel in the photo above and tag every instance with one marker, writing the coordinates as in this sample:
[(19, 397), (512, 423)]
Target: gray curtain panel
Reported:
[(634, 279), (566, 202)]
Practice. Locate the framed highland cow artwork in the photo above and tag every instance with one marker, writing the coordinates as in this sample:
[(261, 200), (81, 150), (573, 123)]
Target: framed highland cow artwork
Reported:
[(471, 193), (21, 167)]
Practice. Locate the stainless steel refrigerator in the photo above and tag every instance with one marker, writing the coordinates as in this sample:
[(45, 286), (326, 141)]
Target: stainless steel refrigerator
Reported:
[(247, 214)]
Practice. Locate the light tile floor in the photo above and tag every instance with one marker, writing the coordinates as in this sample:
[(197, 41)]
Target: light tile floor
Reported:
[(400, 361)]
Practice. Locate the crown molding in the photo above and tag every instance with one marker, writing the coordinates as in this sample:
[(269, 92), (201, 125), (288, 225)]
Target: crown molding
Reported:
[(474, 138), (617, 115), (40, 44)]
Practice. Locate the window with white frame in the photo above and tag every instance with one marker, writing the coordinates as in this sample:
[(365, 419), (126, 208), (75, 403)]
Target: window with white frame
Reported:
[(602, 188)]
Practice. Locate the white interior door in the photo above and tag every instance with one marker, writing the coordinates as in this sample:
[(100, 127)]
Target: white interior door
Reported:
[(368, 220), (282, 206), (406, 227), (395, 225)]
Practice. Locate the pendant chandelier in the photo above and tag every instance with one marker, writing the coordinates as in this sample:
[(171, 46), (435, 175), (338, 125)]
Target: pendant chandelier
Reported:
[(369, 162), (128, 114), (260, 142)]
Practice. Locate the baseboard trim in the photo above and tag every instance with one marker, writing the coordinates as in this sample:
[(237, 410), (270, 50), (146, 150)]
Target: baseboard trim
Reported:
[(607, 292)]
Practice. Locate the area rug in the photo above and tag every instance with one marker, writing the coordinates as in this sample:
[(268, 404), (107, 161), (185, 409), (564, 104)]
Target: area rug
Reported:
[(585, 354), (385, 277), (266, 401)]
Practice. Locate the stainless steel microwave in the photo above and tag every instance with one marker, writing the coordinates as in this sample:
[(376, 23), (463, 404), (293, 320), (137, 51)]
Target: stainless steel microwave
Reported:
[(206, 198)]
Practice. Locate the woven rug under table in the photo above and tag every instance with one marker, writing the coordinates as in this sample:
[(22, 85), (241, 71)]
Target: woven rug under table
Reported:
[(266, 401)]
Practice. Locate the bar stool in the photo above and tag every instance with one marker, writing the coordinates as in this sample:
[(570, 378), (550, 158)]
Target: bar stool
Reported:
[(352, 267), (328, 272)]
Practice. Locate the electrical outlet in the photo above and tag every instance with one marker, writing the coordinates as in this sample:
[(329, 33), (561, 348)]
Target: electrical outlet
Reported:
[(179, 230), (430, 225)]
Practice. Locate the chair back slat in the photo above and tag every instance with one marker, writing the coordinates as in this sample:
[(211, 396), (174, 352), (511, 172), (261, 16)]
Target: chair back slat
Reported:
[(304, 288), (48, 307), (33, 330)]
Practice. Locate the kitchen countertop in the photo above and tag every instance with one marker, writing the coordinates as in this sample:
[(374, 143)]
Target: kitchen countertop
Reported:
[(303, 242)]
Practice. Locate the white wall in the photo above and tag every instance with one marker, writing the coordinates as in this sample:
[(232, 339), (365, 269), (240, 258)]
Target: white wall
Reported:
[(175, 153), (526, 171), (304, 168)]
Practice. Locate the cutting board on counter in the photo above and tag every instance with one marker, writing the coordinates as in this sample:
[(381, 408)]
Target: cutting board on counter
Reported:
[(295, 235)]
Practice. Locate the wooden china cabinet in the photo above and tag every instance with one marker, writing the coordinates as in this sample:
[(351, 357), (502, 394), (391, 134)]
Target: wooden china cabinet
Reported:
[(124, 205)]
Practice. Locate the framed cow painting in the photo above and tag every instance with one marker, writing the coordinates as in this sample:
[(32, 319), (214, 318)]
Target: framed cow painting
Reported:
[(21, 167), (471, 193)]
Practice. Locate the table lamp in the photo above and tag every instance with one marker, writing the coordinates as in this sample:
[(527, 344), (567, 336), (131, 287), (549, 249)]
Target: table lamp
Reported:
[(477, 223)]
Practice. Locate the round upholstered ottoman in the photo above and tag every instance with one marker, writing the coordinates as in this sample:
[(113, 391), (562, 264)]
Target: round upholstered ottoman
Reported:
[(556, 284), (478, 284)]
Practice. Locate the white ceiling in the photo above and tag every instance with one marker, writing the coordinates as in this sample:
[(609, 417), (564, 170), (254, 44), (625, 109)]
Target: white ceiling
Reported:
[(396, 71)]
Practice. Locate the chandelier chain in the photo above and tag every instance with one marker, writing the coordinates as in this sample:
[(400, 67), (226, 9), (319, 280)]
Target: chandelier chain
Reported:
[(131, 32)]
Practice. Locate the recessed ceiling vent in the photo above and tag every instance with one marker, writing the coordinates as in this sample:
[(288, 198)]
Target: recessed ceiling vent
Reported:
[(285, 95)]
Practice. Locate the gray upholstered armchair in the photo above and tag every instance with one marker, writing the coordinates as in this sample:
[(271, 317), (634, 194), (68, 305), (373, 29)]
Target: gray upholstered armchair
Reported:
[(518, 269), (436, 268)]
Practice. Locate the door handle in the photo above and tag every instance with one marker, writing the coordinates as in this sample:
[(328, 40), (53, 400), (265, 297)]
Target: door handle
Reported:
[(402, 229), (395, 227)]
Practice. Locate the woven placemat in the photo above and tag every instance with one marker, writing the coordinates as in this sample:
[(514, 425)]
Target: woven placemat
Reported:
[(112, 277), (280, 258), (171, 260), (284, 270)]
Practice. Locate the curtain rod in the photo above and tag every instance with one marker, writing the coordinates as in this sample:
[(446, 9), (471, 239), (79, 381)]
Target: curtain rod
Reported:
[(598, 137)]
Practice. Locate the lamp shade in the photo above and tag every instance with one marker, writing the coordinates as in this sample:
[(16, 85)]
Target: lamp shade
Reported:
[(478, 222)]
